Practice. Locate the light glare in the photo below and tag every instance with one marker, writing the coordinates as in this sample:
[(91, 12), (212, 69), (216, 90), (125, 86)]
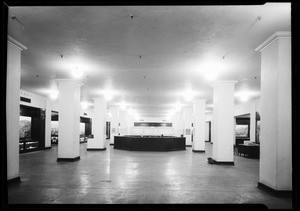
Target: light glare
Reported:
[(77, 73), (123, 105), (54, 95), (84, 105), (244, 98)]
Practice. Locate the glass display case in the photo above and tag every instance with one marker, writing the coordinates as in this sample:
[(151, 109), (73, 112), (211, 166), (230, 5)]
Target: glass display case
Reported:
[(54, 132), (31, 129), (26, 142)]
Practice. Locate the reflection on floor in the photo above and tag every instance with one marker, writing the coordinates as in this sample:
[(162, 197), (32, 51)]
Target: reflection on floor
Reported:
[(128, 177)]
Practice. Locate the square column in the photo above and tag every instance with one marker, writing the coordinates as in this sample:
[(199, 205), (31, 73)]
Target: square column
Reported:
[(98, 126), (129, 124), (69, 120), (48, 124), (252, 121), (174, 124), (187, 114), (114, 124), (13, 82), (180, 123), (223, 122), (275, 164), (199, 125), (123, 122)]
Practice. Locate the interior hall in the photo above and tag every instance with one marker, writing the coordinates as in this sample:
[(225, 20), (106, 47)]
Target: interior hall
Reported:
[(147, 105)]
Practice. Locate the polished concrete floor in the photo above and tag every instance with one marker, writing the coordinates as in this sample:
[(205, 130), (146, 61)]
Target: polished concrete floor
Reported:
[(129, 177)]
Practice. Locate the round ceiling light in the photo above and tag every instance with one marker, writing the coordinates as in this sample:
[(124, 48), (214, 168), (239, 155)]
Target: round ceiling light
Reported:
[(77, 73), (53, 95)]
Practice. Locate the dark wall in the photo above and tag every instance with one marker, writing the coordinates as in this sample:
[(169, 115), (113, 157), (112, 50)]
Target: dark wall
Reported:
[(54, 116), (88, 125)]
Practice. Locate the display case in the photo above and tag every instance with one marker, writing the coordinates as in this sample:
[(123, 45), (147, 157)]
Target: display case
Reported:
[(27, 144), (54, 139), (31, 129), (54, 127)]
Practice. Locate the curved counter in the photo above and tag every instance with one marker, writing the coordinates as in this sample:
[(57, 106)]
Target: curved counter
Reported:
[(139, 143)]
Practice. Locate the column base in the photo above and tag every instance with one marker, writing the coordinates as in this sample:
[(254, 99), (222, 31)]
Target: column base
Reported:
[(188, 145), (212, 161), (111, 144), (47, 148), (14, 180), (68, 159), (96, 149), (198, 150), (276, 193), (224, 162)]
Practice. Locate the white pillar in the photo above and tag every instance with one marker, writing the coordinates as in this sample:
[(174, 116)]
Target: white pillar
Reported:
[(98, 142), (174, 124), (114, 124), (48, 124), (211, 130), (223, 121), (130, 124), (123, 122), (69, 120), (275, 169), (206, 131), (13, 82), (252, 121), (199, 125), (187, 114), (180, 122)]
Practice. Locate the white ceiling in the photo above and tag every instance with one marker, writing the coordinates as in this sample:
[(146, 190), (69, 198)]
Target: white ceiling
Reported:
[(150, 59)]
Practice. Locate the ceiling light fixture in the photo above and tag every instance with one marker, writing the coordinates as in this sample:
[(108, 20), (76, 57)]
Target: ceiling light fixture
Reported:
[(189, 95), (136, 116), (123, 105), (108, 94), (245, 95), (211, 75), (130, 111), (14, 18), (210, 68), (85, 105), (108, 113), (76, 73), (177, 106), (54, 95), (244, 98)]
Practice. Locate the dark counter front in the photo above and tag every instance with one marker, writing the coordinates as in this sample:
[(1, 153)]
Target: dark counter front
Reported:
[(139, 143)]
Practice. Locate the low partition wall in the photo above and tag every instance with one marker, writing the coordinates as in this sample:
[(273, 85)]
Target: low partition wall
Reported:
[(149, 143)]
